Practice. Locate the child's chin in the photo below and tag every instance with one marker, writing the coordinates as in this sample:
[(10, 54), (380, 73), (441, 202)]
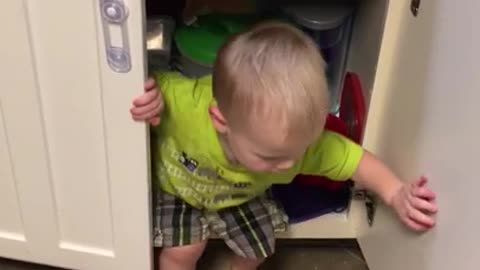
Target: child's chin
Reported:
[(259, 170)]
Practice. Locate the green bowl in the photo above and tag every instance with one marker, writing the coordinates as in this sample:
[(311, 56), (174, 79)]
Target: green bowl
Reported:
[(201, 41)]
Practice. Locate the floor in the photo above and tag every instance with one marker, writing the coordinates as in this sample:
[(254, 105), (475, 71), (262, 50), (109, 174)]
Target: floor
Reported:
[(294, 256), (289, 256)]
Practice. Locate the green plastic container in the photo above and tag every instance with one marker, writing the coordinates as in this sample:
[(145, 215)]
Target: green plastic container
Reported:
[(199, 44)]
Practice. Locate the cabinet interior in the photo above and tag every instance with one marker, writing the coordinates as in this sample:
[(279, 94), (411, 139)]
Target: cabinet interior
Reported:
[(361, 56)]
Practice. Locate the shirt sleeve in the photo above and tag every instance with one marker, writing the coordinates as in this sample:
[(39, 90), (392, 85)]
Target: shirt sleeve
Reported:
[(332, 156), (182, 91), (176, 91), (167, 83)]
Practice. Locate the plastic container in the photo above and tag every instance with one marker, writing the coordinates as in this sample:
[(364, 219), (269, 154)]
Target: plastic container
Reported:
[(190, 68), (198, 44), (353, 109), (329, 23), (159, 41), (303, 203), (323, 21)]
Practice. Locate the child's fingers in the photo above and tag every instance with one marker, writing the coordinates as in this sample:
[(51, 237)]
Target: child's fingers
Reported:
[(424, 205), (420, 217), (422, 181), (146, 98), (415, 225), (149, 84), (424, 193), (142, 110), (154, 121), (154, 112)]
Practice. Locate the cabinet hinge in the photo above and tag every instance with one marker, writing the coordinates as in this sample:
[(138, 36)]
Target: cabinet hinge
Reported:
[(370, 203), (415, 7)]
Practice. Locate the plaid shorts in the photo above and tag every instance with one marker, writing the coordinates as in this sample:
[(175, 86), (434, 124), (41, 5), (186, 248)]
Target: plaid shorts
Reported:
[(249, 229)]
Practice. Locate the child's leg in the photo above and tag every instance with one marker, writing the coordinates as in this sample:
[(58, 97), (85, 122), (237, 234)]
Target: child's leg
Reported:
[(249, 230), (181, 258), (180, 230), (241, 263)]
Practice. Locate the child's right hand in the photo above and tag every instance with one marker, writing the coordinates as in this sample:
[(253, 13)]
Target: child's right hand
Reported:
[(149, 106)]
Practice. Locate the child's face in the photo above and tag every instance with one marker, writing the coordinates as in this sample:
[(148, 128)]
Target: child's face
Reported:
[(264, 148), (259, 145)]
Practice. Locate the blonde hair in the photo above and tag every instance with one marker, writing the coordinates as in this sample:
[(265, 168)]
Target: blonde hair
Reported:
[(274, 70)]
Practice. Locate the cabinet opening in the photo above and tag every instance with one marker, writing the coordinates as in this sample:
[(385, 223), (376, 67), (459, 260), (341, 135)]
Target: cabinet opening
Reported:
[(348, 33)]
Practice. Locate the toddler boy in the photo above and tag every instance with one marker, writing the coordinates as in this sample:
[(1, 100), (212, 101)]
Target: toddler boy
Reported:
[(259, 120)]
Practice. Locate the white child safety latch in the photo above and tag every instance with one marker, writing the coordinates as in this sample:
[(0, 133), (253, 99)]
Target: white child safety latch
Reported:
[(115, 31)]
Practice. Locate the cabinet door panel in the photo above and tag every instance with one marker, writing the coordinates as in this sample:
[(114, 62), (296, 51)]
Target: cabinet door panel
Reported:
[(74, 165), (424, 119)]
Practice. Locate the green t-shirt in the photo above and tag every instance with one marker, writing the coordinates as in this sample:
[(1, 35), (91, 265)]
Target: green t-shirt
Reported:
[(190, 163)]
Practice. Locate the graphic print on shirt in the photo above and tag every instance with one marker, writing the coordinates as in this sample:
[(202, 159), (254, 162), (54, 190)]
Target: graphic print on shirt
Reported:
[(198, 178), (190, 164)]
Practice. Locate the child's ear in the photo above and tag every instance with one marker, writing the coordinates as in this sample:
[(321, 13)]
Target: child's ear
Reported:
[(218, 120)]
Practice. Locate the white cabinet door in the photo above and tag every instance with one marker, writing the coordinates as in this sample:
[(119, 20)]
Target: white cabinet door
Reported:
[(424, 118), (74, 181)]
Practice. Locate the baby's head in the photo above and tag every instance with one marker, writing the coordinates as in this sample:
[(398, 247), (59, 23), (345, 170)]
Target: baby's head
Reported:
[(272, 96)]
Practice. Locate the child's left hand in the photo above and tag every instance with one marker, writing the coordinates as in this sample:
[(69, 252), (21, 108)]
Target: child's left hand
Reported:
[(415, 205)]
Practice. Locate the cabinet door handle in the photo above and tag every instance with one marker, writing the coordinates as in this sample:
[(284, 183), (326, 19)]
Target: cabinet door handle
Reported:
[(115, 31)]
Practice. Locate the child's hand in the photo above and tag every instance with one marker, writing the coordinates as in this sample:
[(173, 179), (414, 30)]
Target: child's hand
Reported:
[(415, 204), (148, 106)]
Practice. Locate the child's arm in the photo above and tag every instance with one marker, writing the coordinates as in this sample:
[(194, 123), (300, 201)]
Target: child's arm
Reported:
[(149, 105), (414, 202), (339, 159)]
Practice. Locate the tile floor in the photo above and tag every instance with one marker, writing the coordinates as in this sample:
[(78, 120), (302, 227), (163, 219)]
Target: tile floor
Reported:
[(288, 257)]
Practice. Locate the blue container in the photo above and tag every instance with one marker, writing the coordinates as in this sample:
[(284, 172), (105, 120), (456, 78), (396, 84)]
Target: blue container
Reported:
[(330, 25)]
